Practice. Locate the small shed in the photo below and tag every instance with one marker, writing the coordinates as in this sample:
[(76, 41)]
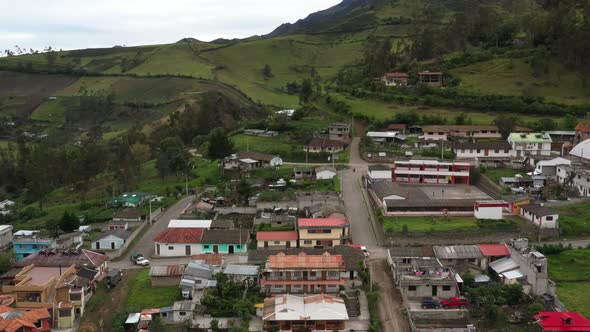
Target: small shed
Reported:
[(491, 210), (302, 172), (111, 240), (325, 173), (540, 216)]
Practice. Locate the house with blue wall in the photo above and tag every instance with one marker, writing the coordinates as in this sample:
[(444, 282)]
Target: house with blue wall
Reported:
[(26, 243), (222, 241)]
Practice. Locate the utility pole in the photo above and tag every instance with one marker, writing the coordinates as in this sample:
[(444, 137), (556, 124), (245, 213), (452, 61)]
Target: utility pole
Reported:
[(371, 276), (442, 150), (150, 201), (186, 183)]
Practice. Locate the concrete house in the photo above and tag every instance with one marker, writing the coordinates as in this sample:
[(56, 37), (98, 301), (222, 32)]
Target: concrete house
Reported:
[(484, 149), (530, 144), (117, 225), (339, 131), (251, 160), (474, 132), (243, 273), (5, 237), (576, 176), (225, 241), (423, 277), (179, 242), (322, 232), (493, 252), (197, 275), (28, 242), (182, 311), (111, 240), (325, 173), (276, 240), (540, 216), (303, 173), (548, 168), (460, 256), (305, 274)]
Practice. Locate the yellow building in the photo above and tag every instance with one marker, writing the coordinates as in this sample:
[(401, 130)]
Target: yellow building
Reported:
[(323, 232)]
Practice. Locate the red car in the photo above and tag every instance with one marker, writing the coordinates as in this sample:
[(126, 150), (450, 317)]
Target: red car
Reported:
[(455, 302)]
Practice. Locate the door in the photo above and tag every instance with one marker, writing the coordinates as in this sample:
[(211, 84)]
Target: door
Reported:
[(230, 249), (97, 245), (215, 249), (288, 244), (434, 290), (486, 152), (158, 249), (265, 244), (351, 275), (112, 245), (187, 250)]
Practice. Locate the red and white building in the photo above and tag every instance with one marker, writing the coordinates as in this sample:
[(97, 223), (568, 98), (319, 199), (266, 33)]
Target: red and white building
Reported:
[(395, 79), (431, 172), (489, 209), (277, 240)]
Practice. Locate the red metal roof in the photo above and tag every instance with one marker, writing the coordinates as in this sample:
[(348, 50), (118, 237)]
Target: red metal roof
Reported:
[(321, 222), (562, 321), (276, 236), (396, 75), (583, 127), (180, 235), (490, 250), (209, 259), (304, 261), (398, 126)]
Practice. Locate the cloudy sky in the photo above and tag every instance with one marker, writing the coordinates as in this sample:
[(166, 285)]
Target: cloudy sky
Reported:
[(72, 24)]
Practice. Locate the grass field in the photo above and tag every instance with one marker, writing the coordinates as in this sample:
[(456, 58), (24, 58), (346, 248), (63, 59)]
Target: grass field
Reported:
[(440, 224), (574, 220), (571, 271), (515, 77), (494, 174), (143, 296), (273, 145)]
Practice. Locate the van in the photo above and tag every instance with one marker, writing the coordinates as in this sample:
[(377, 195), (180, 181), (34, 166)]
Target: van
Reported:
[(113, 277)]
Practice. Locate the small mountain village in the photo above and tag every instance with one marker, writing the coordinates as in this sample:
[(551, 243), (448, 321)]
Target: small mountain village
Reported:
[(326, 260), (376, 166)]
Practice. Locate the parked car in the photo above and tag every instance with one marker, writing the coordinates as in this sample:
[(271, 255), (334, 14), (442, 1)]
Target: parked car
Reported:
[(455, 302), (365, 251), (138, 259), (430, 303)]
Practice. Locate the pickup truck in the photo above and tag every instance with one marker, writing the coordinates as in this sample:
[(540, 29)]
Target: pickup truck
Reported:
[(455, 302), (138, 259)]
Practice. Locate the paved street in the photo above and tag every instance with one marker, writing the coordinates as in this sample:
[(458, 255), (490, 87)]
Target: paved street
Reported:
[(145, 245)]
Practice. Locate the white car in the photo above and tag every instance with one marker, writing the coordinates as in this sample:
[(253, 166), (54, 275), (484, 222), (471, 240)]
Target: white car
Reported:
[(365, 251), (142, 261)]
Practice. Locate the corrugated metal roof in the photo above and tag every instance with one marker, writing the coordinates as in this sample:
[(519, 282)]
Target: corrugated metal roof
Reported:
[(411, 252), (457, 252), (514, 274), (241, 270), (305, 261), (166, 270), (503, 265)]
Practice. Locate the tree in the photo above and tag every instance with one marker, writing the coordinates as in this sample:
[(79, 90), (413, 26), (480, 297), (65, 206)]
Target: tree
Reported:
[(7, 260), (505, 124), (244, 190), (157, 325), (69, 222), (267, 71), (460, 119), (306, 91), (52, 226), (570, 122), (173, 157), (220, 145)]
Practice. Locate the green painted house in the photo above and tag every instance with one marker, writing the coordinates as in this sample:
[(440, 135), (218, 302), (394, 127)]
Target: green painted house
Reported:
[(130, 199), (222, 241)]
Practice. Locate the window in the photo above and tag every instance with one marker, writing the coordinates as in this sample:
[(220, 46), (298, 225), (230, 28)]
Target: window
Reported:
[(307, 242), (182, 313), (277, 242), (446, 288), (406, 260), (441, 133), (198, 281), (506, 151), (75, 297), (319, 231), (206, 246), (21, 246), (497, 151), (35, 246), (478, 150), (411, 288), (170, 247), (39, 324), (65, 313), (238, 246), (549, 218)]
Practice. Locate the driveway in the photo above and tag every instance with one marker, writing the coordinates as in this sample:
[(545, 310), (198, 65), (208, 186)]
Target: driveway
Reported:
[(145, 245)]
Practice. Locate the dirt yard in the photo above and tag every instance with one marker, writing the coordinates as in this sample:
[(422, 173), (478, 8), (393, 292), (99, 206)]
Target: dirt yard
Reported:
[(390, 299)]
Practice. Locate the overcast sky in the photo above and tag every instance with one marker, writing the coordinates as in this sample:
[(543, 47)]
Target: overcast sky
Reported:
[(72, 24)]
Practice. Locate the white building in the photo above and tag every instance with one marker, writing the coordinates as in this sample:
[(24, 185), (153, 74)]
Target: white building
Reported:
[(182, 311), (179, 242), (189, 223), (489, 209), (484, 149), (549, 167), (530, 144), (540, 216), (380, 172), (5, 237), (582, 150), (382, 137), (431, 172), (111, 240), (325, 173)]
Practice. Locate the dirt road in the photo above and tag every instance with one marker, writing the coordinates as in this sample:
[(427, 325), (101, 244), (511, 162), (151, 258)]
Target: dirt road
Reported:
[(390, 303)]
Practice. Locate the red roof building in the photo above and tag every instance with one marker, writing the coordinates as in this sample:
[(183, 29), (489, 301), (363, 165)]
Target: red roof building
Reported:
[(319, 144), (582, 131), (562, 321), (180, 235), (322, 222), (395, 79), (13, 320), (303, 273), (494, 250), (277, 240)]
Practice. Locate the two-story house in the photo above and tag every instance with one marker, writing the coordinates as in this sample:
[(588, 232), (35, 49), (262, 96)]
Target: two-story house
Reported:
[(26, 243), (530, 144), (322, 232), (339, 131), (303, 273)]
